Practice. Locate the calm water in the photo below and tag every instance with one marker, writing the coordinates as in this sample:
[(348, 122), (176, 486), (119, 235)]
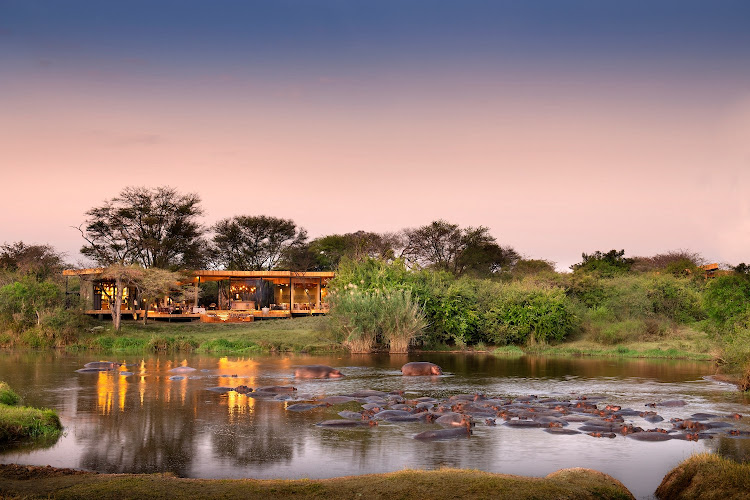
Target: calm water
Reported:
[(148, 423)]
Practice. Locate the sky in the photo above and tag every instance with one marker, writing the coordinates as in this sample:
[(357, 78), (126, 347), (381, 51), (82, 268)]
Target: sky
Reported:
[(563, 126)]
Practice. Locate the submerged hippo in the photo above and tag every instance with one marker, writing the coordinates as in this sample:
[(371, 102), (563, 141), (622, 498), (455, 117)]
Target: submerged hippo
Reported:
[(456, 432), (317, 371), (102, 365), (182, 369), (421, 368)]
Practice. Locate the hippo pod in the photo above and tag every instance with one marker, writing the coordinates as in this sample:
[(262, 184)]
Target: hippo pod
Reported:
[(421, 368), (317, 371)]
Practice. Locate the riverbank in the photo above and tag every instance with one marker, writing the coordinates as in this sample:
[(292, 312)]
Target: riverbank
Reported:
[(48, 482), (18, 423), (706, 476), (312, 334)]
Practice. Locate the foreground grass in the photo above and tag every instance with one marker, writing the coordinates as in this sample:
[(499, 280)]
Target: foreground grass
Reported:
[(46, 482), (706, 476), (19, 423)]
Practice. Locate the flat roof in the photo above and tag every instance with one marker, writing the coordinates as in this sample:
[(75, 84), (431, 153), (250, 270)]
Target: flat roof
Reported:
[(216, 275)]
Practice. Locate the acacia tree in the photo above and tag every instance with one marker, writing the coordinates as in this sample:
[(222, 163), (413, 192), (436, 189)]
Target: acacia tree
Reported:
[(150, 227), (153, 284), (445, 246), (254, 243)]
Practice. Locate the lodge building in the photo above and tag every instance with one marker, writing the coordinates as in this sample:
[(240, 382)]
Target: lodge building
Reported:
[(240, 296)]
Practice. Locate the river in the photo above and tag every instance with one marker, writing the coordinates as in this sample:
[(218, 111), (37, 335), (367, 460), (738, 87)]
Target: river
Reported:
[(152, 422)]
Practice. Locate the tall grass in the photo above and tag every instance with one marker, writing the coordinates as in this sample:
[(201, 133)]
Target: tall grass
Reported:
[(402, 320), (364, 319)]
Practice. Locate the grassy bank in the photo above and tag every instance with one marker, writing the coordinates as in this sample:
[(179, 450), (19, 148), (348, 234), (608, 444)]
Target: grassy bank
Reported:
[(46, 482), (706, 476), (19, 423), (312, 334), (309, 334), (682, 343)]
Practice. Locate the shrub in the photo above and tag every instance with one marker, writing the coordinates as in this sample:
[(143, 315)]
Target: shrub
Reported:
[(727, 300), (675, 298), (7, 395), (521, 313), (26, 303)]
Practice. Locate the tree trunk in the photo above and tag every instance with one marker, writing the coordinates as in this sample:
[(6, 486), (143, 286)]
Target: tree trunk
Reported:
[(116, 308), (145, 311)]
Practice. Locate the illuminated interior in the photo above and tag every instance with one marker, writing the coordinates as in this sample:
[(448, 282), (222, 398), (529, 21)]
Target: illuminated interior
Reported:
[(104, 292)]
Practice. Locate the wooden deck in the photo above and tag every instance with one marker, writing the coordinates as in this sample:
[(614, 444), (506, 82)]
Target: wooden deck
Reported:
[(217, 316)]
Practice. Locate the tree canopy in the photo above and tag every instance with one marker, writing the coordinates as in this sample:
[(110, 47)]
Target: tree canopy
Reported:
[(606, 264), (325, 253), (254, 243), (40, 261), (444, 246), (152, 227)]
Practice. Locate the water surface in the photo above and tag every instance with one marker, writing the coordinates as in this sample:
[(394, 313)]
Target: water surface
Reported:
[(148, 422)]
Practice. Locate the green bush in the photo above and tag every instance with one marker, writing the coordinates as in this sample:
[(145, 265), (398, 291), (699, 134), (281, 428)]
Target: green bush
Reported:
[(25, 303), (8, 395), (522, 313), (727, 301), (675, 298)]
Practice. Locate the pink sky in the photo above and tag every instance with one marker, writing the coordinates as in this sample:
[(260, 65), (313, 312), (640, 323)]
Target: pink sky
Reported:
[(555, 160)]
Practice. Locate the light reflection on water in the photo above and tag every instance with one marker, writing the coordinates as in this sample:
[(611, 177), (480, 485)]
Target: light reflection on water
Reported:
[(147, 422)]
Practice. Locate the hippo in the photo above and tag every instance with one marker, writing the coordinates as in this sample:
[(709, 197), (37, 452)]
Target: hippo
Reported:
[(220, 389), (182, 369), (561, 431), (91, 370), (346, 423), (102, 365), (389, 414), (351, 415), (317, 371), (421, 368), (337, 400), (277, 388), (456, 432), (453, 419), (304, 406), (650, 435)]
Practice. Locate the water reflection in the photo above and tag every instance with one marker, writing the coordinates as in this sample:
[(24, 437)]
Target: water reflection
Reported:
[(151, 422)]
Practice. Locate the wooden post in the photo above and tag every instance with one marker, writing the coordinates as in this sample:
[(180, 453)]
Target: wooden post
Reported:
[(291, 296), (195, 299), (317, 305)]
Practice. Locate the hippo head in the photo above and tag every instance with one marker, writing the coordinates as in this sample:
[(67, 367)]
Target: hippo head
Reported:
[(436, 370), (335, 374)]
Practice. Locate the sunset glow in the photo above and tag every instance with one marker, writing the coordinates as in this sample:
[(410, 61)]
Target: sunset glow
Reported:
[(565, 127)]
